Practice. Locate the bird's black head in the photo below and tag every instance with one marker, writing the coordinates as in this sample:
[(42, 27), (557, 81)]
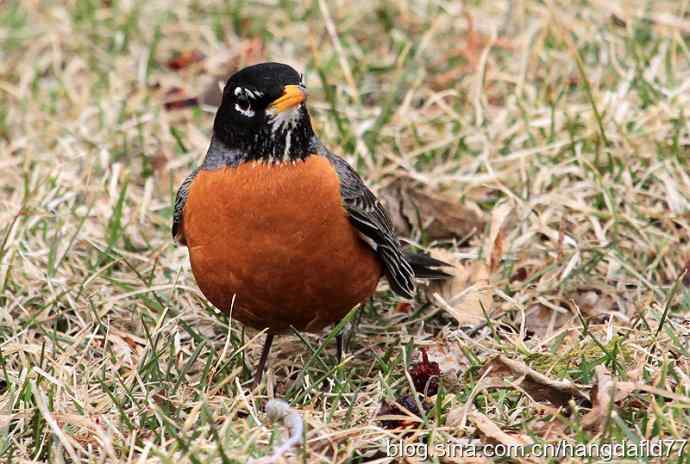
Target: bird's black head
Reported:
[(263, 114)]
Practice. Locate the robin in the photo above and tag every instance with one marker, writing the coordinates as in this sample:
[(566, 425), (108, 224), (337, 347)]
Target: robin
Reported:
[(281, 232)]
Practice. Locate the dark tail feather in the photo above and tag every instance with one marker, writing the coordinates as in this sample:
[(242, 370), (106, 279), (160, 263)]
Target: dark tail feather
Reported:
[(424, 266)]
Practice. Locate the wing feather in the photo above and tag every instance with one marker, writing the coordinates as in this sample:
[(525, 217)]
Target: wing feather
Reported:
[(180, 200), (371, 220)]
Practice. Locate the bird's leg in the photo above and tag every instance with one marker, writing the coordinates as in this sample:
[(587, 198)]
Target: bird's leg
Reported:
[(264, 356), (343, 339), (339, 342)]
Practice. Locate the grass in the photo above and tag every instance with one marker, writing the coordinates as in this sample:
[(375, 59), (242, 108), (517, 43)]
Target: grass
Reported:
[(575, 117)]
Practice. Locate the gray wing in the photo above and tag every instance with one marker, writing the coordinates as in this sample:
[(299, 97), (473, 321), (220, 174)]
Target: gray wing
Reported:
[(180, 200), (367, 215)]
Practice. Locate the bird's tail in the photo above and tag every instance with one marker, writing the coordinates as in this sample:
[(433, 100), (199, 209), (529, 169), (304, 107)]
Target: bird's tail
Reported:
[(424, 266)]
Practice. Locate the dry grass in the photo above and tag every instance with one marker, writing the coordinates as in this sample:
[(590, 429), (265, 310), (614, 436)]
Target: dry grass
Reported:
[(573, 118)]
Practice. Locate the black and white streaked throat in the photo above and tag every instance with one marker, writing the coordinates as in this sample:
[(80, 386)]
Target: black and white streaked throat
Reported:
[(262, 117)]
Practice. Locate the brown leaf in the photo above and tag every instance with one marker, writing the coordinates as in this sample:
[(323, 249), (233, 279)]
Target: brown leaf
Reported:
[(552, 429), (686, 276), (403, 307), (402, 413), (5, 419), (537, 385), (185, 59), (543, 321), (618, 21), (249, 52), (474, 46), (213, 95), (159, 161), (605, 392), (545, 393), (174, 92), (438, 215), (520, 275), (593, 304), (181, 104), (449, 357), (176, 98), (497, 232), (494, 432), (467, 295), (456, 417), (471, 52), (160, 397)]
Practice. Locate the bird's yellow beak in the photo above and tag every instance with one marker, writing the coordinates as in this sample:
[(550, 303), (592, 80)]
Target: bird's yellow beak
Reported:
[(292, 96)]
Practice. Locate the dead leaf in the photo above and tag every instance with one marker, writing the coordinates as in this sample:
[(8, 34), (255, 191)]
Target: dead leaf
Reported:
[(537, 385), (185, 59), (541, 393), (402, 413), (605, 393), (471, 52), (457, 416), (174, 92), (250, 51), (403, 307), (497, 232), (125, 344), (5, 420), (523, 369), (494, 432), (440, 216), (552, 429), (450, 358), (467, 295), (181, 104), (213, 95), (520, 275), (594, 305), (542, 321), (618, 21), (176, 98), (159, 161)]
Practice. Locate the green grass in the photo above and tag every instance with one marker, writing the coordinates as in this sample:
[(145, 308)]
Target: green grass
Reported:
[(573, 116)]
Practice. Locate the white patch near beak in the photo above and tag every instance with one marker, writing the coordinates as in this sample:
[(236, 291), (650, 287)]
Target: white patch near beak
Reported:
[(248, 112), (283, 120)]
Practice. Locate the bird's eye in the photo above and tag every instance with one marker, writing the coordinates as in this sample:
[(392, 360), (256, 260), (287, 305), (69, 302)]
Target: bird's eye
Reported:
[(243, 105), (243, 100)]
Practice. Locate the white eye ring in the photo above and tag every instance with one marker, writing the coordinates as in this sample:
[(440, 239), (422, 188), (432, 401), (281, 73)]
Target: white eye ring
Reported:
[(243, 106), (248, 111)]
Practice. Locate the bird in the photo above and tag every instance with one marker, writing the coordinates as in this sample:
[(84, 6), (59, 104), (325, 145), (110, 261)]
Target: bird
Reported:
[(281, 232)]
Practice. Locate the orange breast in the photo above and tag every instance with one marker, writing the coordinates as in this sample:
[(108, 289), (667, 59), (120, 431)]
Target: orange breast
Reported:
[(277, 238)]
